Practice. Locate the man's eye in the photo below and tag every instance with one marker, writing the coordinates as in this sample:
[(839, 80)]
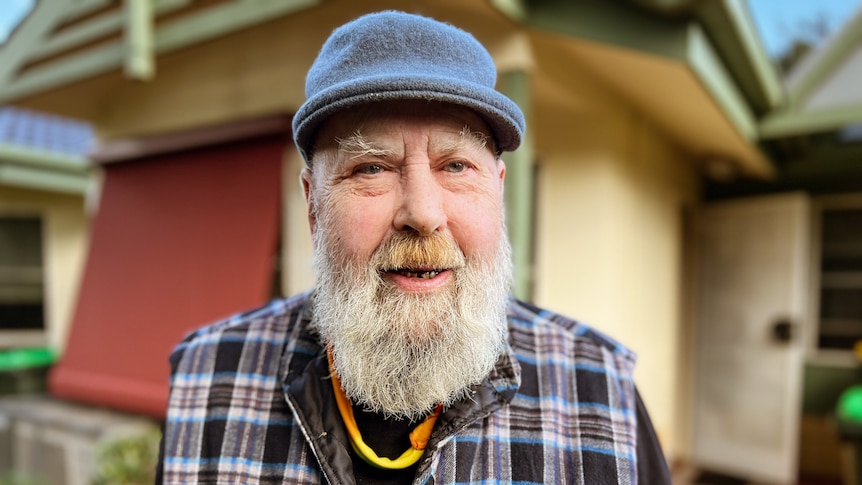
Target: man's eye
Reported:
[(369, 169), (456, 167)]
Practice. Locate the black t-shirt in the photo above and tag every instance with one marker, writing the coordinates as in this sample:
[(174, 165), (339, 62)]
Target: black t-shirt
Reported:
[(390, 438)]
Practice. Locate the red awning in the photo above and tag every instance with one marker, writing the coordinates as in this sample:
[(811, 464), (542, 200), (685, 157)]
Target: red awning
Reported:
[(180, 240)]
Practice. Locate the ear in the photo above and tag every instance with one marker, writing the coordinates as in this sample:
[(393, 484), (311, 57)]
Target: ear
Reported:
[(501, 166), (305, 178)]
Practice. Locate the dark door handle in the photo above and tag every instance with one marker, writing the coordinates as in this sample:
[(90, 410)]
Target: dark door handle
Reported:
[(783, 330)]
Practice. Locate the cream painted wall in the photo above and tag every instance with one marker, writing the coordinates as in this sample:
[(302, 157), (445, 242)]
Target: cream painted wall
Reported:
[(65, 237), (609, 242), (298, 273)]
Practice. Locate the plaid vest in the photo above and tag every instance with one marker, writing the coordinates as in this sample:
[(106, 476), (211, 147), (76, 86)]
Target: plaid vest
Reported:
[(250, 403)]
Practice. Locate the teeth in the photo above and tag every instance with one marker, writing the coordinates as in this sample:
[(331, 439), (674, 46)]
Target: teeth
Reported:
[(426, 275)]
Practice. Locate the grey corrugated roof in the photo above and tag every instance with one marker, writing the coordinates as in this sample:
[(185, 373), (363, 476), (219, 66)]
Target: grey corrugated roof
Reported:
[(41, 131)]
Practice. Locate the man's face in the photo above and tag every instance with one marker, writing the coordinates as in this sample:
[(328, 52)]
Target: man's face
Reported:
[(425, 169), (406, 211)]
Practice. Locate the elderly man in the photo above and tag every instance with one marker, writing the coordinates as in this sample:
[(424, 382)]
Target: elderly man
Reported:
[(408, 362)]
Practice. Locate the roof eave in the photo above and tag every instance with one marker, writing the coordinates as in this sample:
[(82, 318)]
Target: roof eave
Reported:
[(43, 170)]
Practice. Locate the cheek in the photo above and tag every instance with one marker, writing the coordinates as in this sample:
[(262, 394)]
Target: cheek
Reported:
[(357, 225), (477, 226)]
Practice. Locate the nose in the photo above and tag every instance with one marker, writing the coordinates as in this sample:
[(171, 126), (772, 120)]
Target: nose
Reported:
[(421, 202)]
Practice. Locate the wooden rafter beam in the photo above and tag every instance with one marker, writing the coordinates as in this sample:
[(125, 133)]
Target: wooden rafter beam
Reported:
[(140, 61), (32, 31), (198, 27)]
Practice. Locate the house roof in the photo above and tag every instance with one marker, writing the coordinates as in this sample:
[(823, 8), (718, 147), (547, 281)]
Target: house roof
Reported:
[(706, 49), (824, 93), (45, 132), (44, 151), (813, 136)]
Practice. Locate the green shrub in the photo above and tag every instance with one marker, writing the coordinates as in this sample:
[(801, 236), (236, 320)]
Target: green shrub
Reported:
[(129, 460)]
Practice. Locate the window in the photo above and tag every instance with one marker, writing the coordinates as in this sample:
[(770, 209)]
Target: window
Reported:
[(840, 268), (21, 281)]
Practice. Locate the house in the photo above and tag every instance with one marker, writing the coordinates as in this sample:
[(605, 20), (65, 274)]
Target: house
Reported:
[(44, 180), (642, 115)]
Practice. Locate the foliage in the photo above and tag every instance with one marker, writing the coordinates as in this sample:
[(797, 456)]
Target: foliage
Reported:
[(19, 479), (129, 460), (804, 37)]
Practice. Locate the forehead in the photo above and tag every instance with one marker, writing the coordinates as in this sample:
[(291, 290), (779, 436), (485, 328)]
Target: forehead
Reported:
[(380, 120)]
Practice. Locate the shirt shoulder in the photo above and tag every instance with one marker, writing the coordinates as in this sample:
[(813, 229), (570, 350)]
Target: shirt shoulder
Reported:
[(270, 325), (536, 330)]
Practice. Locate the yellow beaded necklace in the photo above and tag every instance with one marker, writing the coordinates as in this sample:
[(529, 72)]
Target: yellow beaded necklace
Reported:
[(418, 437)]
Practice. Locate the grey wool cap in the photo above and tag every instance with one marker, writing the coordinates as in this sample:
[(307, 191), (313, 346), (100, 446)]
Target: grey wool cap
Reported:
[(399, 56)]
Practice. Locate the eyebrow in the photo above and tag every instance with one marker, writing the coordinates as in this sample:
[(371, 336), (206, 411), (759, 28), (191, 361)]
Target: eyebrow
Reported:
[(358, 146), (467, 139)]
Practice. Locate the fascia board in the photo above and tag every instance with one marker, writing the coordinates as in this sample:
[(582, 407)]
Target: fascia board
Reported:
[(790, 123), (35, 178), (733, 17), (43, 159), (706, 64), (611, 23), (684, 42)]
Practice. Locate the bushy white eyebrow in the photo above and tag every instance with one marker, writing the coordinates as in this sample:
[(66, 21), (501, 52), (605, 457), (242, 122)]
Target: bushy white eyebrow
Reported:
[(358, 146), (467, 138)]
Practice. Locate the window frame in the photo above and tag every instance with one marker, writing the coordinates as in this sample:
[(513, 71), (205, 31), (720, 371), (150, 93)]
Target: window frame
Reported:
[(821, 204), (18, 338)]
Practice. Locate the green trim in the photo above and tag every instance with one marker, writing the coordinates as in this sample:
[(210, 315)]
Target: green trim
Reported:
[(519, 188), (63, 71), (611, 23), (15, 52), (839, 49), (708, 67), (620, 24), (762, 68), (81, 7), (681, 41), (223, 19), (35, 178), (140, 63), (42, 158), (98, 27), (784, 124), (735, 38), (195, 28), (80, 34)]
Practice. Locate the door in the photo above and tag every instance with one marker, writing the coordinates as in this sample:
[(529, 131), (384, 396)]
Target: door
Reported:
[(752, 294)]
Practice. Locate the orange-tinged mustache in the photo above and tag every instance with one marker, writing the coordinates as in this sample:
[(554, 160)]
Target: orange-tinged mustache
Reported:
[(405, 251)]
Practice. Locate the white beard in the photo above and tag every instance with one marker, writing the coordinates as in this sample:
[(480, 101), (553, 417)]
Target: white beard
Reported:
[(400, 353)]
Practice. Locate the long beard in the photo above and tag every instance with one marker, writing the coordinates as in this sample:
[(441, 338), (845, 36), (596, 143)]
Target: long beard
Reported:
[(400, 353)]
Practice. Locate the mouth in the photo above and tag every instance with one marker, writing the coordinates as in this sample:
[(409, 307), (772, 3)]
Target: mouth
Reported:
[(419, 273)]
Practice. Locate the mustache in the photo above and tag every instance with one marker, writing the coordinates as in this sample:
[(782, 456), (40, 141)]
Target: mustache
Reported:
[(410, 251)]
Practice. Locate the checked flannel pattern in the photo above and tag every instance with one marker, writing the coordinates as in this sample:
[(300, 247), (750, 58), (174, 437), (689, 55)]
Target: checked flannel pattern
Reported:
[(250, 403)]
